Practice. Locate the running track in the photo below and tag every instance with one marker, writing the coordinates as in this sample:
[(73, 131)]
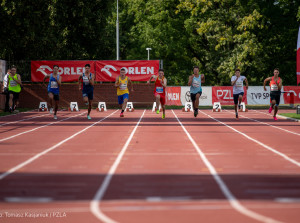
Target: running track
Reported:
[(144, 169)]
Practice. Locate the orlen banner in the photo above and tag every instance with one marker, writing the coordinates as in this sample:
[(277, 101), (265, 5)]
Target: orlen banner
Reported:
[(173, 96), (136, 70), (293, 90), (225, 95), (69, 70)]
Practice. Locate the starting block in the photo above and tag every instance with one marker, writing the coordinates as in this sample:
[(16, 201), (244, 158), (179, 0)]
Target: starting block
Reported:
[(129, 107), (154, 106), (101, 106), (73, 106), (43, 106), (243, 107), (188, 107), (217, 107)]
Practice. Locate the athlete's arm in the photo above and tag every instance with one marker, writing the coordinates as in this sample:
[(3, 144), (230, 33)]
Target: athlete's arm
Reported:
[(165, 83), (59, 80), (246, 81), (202, 78), (265, 81), (279, 84), (190, 80), (47, 76), (153, 76), (130, 82), (117, 84), (79, 84), (233, 82), (92, 80)]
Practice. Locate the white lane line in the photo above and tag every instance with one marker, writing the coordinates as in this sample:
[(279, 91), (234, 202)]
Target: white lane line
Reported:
[(287, 200), (295, 133), (7, 123), (95, 203), (28, 199), (283, 117), (30, 160), (31, 130), (230, 197), (256, 141)]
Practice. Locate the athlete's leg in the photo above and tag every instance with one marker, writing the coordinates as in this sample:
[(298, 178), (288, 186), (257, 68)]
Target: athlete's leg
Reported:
[(51, 99), (240, 99), (196, 103), (90, 107), (11, 98), (157, 97), (163, 102), (236, 100), (124, 104)]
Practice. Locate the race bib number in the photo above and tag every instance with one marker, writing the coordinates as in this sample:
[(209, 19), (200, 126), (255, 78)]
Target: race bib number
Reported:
[(85, 80), (159, 90), (123, 86), (13, 83), (274, 87), (196, 84), (54, 84), (239, 84)]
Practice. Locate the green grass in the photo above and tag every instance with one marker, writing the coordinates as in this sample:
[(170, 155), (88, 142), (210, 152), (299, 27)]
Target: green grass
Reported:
[(291, 115), (2, 113)]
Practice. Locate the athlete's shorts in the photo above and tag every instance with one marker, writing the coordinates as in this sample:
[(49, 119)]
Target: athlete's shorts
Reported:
[(193, 96), (275, 95), (15, 94), (162, 98), (89, 94), (55, 96), (236, 97), (122, 97)]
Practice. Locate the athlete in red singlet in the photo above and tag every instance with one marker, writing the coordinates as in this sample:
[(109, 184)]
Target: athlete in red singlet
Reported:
[(275, 86), (159, 91)]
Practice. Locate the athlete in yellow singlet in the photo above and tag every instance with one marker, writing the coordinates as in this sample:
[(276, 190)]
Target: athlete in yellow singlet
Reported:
[(121, 84)]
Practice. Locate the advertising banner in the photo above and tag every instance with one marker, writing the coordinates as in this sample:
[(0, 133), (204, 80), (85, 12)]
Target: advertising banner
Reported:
[(136, 70), (224, 95), (173, 95), (205, 99), (69, 70)]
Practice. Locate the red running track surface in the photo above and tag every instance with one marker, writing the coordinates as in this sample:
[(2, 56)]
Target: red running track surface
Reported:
[(141, 168)]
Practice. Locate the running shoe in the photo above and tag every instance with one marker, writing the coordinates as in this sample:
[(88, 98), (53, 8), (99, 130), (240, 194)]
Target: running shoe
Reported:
[(163, 116), (55, 117), (51, 110), (10, 110), (239, 106), (121, 114), (157, 111), (89, 117), (270, 109), (196, 113), (237, 116), (275, 118), (86, 103)]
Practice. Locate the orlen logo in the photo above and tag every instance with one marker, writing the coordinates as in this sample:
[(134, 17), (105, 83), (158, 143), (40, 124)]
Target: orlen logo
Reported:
[(128, 70), (44, 69), (106, 69), (225, 94)]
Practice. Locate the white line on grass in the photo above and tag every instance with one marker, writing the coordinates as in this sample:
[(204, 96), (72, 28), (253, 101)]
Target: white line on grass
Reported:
[(295, 133), (31, 130), (12, 170), (95, 203), (230, 197), (7, 123), (258, 142)]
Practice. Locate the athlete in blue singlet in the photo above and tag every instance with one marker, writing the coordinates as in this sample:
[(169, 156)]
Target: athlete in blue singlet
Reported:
[(195, 81), (88, 81), (53, 89)]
